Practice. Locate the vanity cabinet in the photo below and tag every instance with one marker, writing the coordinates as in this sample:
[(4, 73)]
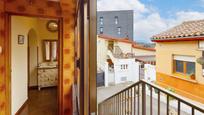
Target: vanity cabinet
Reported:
[(47, 77)]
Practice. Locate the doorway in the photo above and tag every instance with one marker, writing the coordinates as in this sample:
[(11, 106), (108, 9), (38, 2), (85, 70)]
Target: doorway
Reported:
[(34, 65)]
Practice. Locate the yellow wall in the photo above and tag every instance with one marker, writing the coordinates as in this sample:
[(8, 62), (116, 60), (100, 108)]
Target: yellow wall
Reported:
[(44, 34), (166, 50), (164, 57), (188, 89)]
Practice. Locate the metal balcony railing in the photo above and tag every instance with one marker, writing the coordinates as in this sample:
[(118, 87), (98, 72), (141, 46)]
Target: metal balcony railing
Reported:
[(145, 98)]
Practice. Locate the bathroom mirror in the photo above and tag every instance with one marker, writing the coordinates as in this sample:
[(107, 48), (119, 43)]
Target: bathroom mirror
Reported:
[(54, 50), (47, 50), (50, 53)]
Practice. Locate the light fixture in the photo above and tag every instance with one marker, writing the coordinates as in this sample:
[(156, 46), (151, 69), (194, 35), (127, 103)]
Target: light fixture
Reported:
[(52, 26)]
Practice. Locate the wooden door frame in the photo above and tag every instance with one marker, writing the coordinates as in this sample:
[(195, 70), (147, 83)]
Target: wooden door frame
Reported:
[(8, 53)]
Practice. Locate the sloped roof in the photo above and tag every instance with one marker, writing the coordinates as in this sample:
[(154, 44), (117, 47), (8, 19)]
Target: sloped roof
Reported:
[(146, 58), (189, 30), (142, 47), (126, 40)]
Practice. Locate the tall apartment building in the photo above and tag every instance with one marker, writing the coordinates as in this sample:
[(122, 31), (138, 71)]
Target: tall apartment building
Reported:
[(115, 23)]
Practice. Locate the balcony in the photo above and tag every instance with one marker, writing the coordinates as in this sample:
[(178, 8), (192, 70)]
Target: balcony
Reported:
[(145, 98)]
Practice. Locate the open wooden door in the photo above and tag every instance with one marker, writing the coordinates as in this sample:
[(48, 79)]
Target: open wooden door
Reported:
[(85, 81), (92, 10)]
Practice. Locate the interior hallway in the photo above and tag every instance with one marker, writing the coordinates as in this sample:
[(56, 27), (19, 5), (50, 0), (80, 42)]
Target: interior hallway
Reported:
[(42, 102)]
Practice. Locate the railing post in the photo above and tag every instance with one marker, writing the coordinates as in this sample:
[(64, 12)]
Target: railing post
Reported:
[(143, 99), (100, 109)]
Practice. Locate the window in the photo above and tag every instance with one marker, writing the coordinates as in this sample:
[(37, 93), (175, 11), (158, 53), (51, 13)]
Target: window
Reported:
[(190, 68), (124, 66), (116, 19), (50, 50), (101, 30), (179, 66), (184, 65), (101, 20), (119, 30)]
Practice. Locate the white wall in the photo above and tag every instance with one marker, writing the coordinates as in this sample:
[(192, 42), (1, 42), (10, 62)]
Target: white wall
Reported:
[(131, 73), (106, 74), (19, 62), (150, 72)]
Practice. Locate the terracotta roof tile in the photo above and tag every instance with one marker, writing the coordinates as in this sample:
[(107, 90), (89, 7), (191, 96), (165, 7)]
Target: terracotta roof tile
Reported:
[(142, 47), (186, 30)]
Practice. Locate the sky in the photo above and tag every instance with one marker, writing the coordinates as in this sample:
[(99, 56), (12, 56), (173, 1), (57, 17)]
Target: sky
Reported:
[(155, 16)]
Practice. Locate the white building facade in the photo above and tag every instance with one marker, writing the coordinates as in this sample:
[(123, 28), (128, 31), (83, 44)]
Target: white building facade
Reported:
[(116, 57)]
